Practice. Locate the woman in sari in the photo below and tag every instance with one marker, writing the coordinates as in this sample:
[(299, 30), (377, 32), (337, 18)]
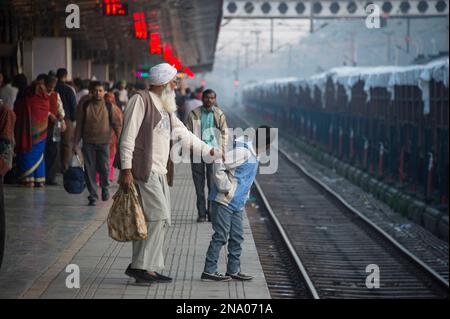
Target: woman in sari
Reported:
[(32, 113)]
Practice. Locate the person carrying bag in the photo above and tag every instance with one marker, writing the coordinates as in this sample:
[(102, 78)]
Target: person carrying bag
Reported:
[(74, 180), (126, 220)]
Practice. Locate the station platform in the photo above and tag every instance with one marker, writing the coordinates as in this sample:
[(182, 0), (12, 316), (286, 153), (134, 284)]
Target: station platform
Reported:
[(49, 229)]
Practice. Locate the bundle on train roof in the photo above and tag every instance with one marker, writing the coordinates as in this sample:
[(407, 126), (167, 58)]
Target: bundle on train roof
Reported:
[(373, 77)]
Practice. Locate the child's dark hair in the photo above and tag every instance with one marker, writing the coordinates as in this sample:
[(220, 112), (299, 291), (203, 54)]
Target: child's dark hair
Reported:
[(267, 132)]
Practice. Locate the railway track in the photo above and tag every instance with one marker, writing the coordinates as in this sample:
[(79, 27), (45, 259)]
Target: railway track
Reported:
[(332, 244), (280, 270)]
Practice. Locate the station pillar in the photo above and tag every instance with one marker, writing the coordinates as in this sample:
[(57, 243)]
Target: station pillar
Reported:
[(41, 55)]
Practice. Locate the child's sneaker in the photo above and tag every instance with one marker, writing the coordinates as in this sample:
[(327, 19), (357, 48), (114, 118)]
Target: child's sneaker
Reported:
[(240, 276), (215, 277)]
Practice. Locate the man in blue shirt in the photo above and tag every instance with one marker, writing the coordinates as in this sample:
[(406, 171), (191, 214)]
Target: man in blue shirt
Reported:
[(233, 178), (204, 122)]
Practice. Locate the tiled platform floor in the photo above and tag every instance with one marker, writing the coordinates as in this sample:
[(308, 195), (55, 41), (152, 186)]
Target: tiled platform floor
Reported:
[(76, 234)]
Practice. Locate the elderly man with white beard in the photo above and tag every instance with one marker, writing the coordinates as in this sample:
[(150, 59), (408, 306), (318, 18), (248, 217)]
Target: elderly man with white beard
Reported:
[(149, 124)]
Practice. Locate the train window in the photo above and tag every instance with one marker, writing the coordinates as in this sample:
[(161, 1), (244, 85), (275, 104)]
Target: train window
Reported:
[(331, 104), (342, 98), (439, 104)]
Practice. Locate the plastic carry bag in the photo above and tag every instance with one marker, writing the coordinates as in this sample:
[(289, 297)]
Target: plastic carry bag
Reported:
[(126, 219)]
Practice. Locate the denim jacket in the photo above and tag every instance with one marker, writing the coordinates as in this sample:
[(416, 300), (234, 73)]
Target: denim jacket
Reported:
[(234, 177)]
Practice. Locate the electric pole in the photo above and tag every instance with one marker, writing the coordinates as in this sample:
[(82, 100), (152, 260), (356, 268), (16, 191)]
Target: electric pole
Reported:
[(246, 53), (289, 59), (271, 35), (389, 35), (257, 33)]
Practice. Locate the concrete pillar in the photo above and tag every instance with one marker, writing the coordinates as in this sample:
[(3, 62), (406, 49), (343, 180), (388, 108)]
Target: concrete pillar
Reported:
[(41, 55), (82, 69), (101, 72), (28, 60)]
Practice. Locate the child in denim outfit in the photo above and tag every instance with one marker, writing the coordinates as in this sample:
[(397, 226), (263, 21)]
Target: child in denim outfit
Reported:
[(233, 178)]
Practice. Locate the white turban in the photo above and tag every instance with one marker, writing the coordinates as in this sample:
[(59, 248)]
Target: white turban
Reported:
[(161, 74)]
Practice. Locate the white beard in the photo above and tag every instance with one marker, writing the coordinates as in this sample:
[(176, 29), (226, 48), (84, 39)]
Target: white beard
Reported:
[(168, 100)]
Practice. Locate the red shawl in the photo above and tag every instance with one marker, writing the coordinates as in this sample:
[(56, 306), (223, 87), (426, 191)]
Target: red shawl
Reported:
[(32, 115)]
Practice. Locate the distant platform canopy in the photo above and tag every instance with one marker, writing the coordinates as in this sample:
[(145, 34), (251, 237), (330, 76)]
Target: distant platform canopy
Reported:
[(108, 29)]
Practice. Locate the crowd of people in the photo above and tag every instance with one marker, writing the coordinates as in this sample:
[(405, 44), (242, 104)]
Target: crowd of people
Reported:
[(51, 115), (45, 124)]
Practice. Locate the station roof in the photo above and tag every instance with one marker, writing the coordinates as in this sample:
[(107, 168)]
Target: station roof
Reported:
[(190, 26)]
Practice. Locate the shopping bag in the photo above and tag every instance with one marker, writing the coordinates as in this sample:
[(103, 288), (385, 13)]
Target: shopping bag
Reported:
[(126, 219)]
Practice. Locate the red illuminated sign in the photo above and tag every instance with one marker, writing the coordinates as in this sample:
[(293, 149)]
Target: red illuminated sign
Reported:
[(174, 61), (155, 43), (170, 58), (140, 27), (167, 51), (188, 72), (114, 8), (142, 30)]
